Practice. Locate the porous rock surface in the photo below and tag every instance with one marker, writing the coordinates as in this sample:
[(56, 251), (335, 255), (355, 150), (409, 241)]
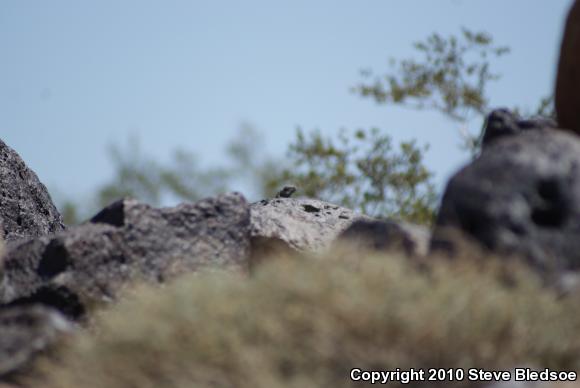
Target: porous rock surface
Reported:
[(302, 224), (26, 209), (126, 241), (520, 196)]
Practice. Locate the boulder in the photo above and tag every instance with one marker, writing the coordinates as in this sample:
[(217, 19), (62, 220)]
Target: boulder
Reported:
[(26, 331), (502, 122), (521, 196), (387, 235), (125, 242), (26, 209), (284, 225), (568, 79), (301, 224)]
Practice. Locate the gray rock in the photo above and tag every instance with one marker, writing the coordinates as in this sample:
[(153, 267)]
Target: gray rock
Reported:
[(286, 225), (26, 209), (388, 235), (522, 197), (26, 331), (502, 122), (126, 241), (302, 224)]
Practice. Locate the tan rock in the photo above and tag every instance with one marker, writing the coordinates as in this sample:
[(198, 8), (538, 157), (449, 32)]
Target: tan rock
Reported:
[(568, 80)]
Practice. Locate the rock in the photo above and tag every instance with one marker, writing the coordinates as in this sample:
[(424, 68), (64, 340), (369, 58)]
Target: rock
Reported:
[(125, 242), (26, 209), (26, 331), (502, 122), (520, 196), (302, 224), (283, 226), (568, 79), (387, 235)]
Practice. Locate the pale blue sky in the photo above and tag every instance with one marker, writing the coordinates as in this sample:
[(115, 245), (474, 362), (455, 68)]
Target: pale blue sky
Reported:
[(77, 75)]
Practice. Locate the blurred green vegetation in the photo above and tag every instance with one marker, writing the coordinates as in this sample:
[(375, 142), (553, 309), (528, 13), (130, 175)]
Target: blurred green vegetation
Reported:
[(451, 76), (363, 171), (142, 176), (360, 169)]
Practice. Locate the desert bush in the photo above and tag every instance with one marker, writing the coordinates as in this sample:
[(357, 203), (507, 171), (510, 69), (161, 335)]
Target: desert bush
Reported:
[(307, 322)]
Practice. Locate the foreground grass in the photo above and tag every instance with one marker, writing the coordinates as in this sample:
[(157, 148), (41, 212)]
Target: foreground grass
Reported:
[(307, 323)]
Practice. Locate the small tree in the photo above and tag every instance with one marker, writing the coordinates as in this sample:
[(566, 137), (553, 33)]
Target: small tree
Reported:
[(451, 76), (363, 171)]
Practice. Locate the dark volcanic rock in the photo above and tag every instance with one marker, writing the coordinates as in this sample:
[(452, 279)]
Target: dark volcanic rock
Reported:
[(26, 209), (502, 122), (300, 223), (26, 331), (521, 196), (387, 235), (126, 241)]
